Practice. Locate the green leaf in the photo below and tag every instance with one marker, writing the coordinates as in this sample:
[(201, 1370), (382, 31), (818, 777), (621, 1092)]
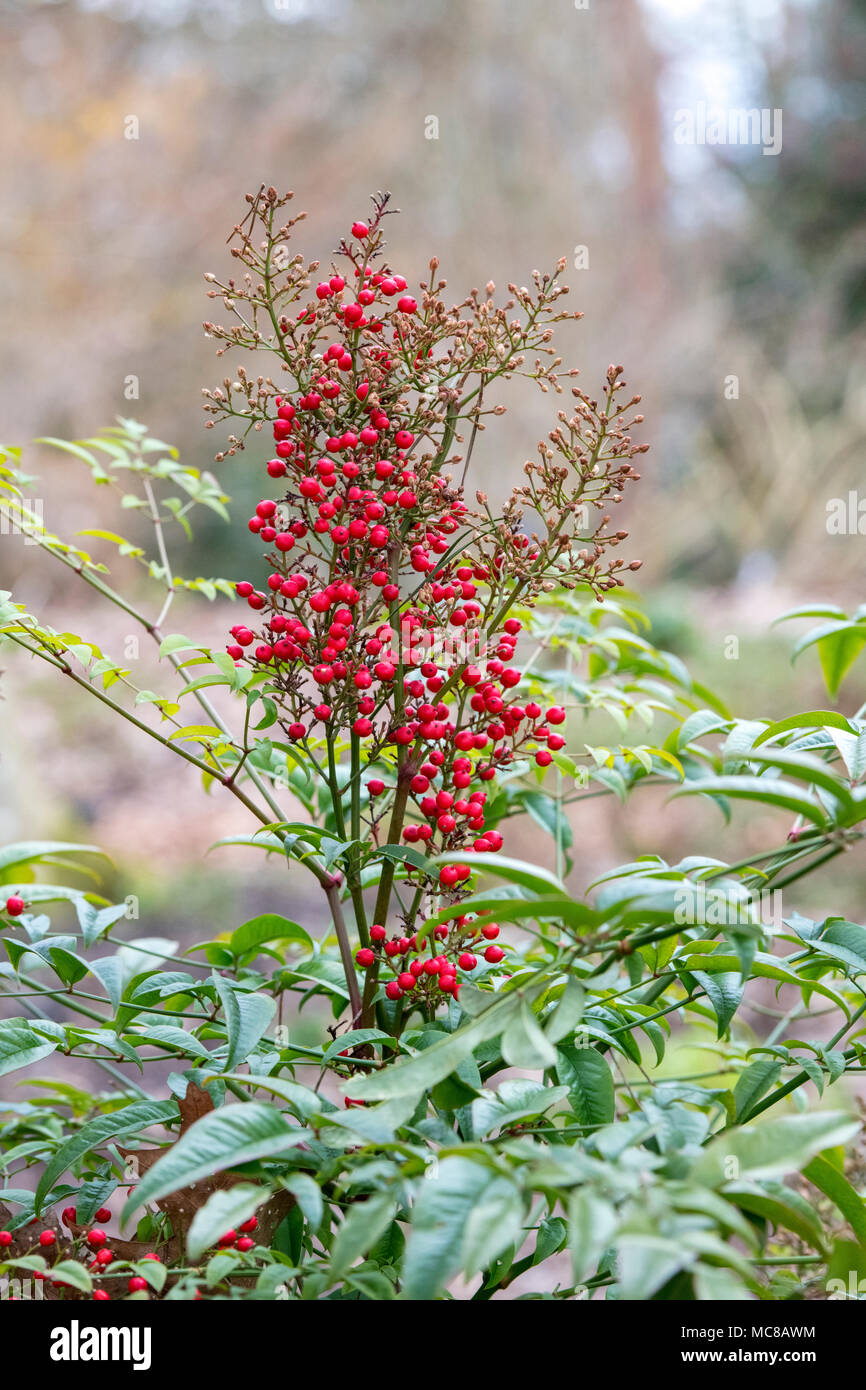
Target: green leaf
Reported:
[(591, 1224), (375, 1124), (176, 642), (646, 1262), (574, 914), (810, 610), (300, 1099), (94, 921), (764, 967), (840, 1191), (269, 927), (439, 1216), (422, 1072), (32, 851), (754, 1083), (725, 992), (494, 1223), (72, 1273), (223, 1139), (703, 721), (566, 1012), (308, 1197), (365, 1222), (119, 1124), (760, 789), (514, 1101), (714, 1284), (198, 733), (837, 653), (810, 719), (845, 942), (771, 1148), (781, 1206), (20, 1045), (171, 1036), (356, 1038), (524, 1044), (590, 1084), (540, 881), (222, 1211), (852, 750), (552, 1235), (247, 1017)]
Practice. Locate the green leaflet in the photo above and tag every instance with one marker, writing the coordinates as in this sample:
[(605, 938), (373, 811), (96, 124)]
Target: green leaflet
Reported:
[(225, 1138), (119, 1124)]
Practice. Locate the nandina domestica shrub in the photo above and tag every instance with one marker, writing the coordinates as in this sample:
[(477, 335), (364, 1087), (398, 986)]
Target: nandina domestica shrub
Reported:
[(504, 1097)]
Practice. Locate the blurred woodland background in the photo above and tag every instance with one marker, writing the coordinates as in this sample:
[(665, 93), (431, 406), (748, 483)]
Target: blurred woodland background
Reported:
[(731, 283)]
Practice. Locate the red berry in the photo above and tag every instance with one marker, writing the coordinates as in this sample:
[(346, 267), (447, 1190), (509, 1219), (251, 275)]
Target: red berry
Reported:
[(543, 758), (101, 1296), (47, 1238), (365, 957), (360, 230), (68, 1216), (95, 1238), (104, 1256), (5, 1238), (556, 715), (136, 1284), (494, 954), (14, 906), (467, 961), (375, 786), (407, 305), (377, 933), (245, 1243), (393, 990), (250, 1225), (490, 931), (104, 1214), (406, 980)]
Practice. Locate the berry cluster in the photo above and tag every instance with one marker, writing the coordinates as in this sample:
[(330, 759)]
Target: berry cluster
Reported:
[(389, 621), (374, 599), (431, 975), (92, 1244), (242, 1241)]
